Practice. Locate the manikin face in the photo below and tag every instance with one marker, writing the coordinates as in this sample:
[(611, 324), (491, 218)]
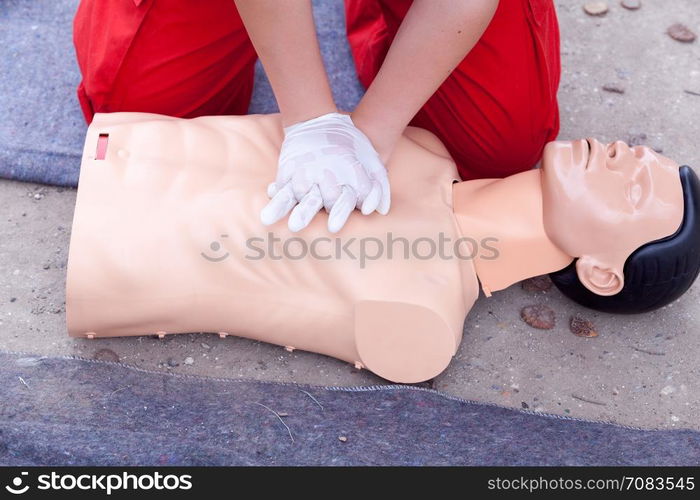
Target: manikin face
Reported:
[(603, 201)]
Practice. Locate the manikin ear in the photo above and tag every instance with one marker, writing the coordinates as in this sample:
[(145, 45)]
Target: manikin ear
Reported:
[(600, 278)]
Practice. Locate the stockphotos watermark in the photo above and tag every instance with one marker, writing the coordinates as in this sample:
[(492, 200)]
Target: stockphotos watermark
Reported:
[(106, 483), (362, 250)]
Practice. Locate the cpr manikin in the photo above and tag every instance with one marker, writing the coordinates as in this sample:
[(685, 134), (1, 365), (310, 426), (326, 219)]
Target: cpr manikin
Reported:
[(167, 239)]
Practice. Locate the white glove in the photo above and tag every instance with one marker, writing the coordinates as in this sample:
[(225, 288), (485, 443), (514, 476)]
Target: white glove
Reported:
[(326, 162)]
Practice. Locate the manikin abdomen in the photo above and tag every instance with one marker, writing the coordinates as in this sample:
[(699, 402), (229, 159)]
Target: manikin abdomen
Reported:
[(166, 238)]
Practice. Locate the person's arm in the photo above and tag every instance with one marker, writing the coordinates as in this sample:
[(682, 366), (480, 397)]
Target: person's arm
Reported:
[(433, 38), (284, 37), (322, 150)]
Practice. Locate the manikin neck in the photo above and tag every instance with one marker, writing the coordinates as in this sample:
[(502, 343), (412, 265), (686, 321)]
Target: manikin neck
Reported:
[(504, 217)]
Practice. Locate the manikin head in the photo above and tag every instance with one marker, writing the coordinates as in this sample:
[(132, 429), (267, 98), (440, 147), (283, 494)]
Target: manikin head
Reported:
[(629, 216)]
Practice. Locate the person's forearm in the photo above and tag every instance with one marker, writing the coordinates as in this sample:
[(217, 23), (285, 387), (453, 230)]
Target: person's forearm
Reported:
[(433, 38), (284, 37)]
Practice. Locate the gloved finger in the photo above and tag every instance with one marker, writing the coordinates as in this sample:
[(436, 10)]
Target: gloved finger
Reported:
[(342, 209), (278, 206), (307, 208), (376, 171), (385, 201), (330, 190), (371, 201), (301, 183), (272, 189)]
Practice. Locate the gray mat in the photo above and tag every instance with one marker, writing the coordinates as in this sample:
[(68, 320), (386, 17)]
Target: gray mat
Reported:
[(42, 127), (66, 411)]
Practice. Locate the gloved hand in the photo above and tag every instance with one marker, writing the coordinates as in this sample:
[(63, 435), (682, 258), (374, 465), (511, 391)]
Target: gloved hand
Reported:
[(326, 162)]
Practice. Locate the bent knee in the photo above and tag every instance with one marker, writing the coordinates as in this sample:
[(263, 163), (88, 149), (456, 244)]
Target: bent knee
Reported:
[(501, 156)]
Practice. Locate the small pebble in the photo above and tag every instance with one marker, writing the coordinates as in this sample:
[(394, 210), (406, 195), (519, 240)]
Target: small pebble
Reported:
[(205, 345), (47, 266), (38, 196), (680, 32), (631, 4), (581, 327), (342, 439), (13, 299), (538, 316), (615, 89), (106, 355), (189, 360), (669, 389), (537, 284), (615, 391), (596, 8), (172, 363), (524, 405)]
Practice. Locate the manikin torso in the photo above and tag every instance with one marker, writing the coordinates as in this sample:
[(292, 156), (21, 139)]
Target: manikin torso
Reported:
[(167, 239)]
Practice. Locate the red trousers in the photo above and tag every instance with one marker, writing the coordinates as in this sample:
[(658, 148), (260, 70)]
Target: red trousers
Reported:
[(495, 112)]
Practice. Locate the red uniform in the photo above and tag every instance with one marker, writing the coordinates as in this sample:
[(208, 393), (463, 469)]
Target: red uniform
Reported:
[(495, 112)]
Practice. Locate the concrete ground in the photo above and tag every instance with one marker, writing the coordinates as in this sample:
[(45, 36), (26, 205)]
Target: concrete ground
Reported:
[(641, 370)]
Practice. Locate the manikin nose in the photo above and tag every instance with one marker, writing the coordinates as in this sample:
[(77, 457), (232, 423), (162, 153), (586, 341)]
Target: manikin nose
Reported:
[(617, 157)]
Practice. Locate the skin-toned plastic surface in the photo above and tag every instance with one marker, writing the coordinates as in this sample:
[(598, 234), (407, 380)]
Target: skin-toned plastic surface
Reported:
[(167, 239), (603, 201), (164, 240), (600, 203), (505, 216)]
